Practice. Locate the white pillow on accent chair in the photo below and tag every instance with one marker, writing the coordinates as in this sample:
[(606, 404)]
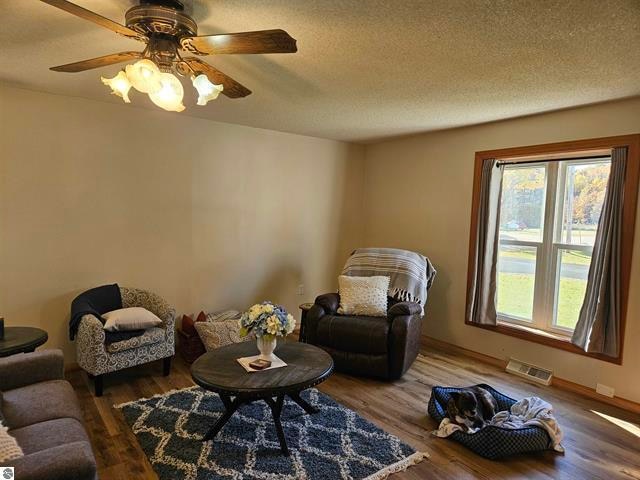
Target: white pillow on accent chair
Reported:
[(132, 318), (363, 295)]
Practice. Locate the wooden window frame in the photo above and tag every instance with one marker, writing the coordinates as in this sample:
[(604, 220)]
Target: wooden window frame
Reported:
[(550, 152)]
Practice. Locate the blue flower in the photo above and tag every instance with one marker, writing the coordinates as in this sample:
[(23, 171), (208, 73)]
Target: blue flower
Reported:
[(266, 318)]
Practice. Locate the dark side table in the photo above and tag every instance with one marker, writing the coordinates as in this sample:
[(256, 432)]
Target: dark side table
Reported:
[(21, 339), (304, 308)]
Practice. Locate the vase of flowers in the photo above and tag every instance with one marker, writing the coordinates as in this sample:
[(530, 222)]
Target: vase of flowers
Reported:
[(268, 321)]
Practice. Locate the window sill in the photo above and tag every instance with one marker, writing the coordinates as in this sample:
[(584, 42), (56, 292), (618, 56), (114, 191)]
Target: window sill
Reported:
[(549, 339), (536, 331)]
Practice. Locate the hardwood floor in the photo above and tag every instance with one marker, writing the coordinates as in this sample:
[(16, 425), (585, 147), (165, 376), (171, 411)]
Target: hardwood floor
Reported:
[(596, 447)]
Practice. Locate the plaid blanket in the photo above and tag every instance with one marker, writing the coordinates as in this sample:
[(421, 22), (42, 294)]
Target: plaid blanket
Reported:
[(411, 274)]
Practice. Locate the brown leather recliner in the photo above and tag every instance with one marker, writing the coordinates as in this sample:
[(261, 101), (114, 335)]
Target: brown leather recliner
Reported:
[(382, 347)]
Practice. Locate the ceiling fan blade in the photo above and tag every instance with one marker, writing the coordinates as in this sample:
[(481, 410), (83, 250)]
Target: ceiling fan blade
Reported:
[(232, 89), (264, 41), (96, 62), (81, 12)]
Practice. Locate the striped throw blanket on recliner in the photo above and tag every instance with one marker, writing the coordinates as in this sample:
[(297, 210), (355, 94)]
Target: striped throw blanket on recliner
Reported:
[(411, 274)]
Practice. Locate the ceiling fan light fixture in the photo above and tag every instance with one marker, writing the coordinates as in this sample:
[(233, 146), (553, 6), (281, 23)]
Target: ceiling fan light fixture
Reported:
[(144, 75), (170, 95), (206, 90), (166, 29), (120, 85)]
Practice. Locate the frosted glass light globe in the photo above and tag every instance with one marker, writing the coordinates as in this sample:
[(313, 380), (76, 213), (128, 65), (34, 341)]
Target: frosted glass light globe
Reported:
[(170, 94), (206, 90), (120, 85), (144, 75)]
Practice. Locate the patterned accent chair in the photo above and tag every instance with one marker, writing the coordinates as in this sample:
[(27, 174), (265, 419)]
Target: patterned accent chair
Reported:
[(98, 359)]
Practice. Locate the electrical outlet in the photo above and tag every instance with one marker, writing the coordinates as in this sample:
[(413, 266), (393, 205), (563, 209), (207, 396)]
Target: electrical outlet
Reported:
[(301, 289), (605, 390)]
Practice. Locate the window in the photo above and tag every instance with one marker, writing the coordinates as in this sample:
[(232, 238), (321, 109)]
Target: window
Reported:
[(549, 212), (548, 219)]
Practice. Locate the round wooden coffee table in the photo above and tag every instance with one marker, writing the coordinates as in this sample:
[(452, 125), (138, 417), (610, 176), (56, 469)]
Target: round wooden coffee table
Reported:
[(21, 339), (219, 371)]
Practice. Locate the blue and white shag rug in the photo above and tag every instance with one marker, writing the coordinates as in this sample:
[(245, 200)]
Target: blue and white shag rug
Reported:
[(335, 443)]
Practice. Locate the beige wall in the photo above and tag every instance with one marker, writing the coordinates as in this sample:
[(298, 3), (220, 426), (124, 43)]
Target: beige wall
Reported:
[(418, 196), (209, 215), (212, 215)]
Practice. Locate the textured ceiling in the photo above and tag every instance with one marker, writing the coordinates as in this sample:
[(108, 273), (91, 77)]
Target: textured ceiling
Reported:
[(365, 69)]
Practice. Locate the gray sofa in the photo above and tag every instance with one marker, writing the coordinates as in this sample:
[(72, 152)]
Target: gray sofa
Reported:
[(41, 411)]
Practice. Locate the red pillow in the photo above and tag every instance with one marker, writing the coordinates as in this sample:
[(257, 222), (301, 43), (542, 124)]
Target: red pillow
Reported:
[(187, 323)]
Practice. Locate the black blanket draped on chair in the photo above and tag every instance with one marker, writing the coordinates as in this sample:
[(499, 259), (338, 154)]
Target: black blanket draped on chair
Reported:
[(97, 302)]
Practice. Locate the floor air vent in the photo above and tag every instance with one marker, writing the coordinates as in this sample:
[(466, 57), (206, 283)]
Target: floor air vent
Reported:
[(531, 372)]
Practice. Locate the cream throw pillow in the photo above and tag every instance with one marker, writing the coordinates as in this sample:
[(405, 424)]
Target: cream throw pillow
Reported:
[(9, 448), (363, 295), (218, 333), (132, 318)]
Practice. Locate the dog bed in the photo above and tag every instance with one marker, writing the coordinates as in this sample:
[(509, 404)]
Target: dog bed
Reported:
[(491, 442)]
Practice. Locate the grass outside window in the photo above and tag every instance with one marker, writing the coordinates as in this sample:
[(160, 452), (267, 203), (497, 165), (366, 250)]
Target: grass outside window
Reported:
[(516, 297)]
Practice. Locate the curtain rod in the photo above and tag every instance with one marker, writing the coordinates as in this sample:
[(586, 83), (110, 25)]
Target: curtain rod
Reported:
[(594, 157)]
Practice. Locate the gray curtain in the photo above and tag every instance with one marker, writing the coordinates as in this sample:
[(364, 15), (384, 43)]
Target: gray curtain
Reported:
[(598, 328), (482, 301)]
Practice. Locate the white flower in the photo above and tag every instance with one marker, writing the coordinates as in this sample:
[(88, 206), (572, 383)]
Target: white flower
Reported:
[(273, 325), (254, 313), (291, 324)]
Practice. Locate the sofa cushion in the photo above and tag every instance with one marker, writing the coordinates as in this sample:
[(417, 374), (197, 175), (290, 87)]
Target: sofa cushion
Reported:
[(27, 368), (64, 462), (40, 402), (48, 434), (357, 334), (9, 447), (150, 336)]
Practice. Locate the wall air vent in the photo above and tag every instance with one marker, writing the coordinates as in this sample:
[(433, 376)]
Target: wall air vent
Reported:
[(530, 372)]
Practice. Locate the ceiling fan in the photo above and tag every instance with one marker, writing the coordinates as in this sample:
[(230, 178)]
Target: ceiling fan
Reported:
[(167, 30)]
